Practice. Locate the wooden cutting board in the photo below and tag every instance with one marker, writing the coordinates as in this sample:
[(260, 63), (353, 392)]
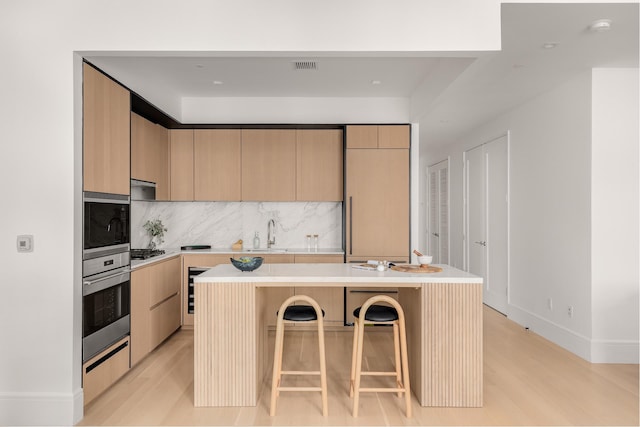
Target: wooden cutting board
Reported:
[(421, 268)]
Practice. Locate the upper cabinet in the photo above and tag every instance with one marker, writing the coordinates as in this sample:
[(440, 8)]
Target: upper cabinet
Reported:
[(319, 165), (106, 130), (256, 164), (268, 164), (150, 154), (378, 136), (181, 164), (217, 164)]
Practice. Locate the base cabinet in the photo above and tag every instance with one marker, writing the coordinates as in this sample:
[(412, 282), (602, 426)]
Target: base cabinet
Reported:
[(330, 299), (100, 372), (155, 306)]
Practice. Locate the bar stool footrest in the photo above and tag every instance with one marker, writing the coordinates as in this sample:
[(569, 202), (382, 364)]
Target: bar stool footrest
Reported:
[(299, 388), (300, 372)]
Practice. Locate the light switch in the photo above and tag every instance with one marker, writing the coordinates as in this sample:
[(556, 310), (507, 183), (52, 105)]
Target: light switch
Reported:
[(25, 243)]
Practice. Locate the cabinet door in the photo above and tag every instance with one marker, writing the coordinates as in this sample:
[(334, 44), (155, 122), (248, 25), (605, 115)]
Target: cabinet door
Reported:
[(140, 320), (165, 281), (394, 136), (268, 164), (150, 154), (181, 164), (106, 129), (362, 136), (319, 165), (165, 319), (377, 222), (217, 164), (316, 259)]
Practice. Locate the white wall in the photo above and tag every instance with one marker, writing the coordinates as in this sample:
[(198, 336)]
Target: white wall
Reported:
[(40, 370), (295, 110), (614, 210), (551, 207)]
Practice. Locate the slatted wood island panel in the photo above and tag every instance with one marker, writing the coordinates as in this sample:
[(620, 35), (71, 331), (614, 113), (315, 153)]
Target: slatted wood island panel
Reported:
[(444, 329)]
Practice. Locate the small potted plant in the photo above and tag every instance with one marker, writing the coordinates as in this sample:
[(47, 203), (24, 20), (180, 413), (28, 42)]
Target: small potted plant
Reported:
[(156, 230)]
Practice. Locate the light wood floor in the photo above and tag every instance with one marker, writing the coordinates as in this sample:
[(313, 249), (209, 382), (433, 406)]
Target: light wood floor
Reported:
[(527, 381)]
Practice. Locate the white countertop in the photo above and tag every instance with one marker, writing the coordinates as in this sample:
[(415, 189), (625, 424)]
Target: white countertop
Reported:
[(329, 273), (171, 252)]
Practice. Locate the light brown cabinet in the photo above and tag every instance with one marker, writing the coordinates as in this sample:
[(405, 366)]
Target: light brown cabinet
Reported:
[(217, 164), (150, 154), (377, 204), (155, 306), (319, 165), (378, 136), (98, 373), (106, 134), (268, 164), (181, 165)]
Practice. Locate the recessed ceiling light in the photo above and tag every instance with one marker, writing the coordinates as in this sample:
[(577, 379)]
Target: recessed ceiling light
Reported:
[(600, 26), (549, 45), (218, 82), (376, 82)]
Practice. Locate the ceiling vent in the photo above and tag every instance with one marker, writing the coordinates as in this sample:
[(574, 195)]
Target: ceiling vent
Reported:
[(305, 65)]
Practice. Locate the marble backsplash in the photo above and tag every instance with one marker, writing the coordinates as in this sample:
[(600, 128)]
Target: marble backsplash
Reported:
[(220, 224)]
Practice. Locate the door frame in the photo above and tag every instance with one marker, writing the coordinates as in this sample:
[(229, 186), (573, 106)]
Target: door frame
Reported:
[(465, 213)]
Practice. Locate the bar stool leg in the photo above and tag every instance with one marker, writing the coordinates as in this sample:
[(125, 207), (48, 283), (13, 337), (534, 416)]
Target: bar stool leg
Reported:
[(396, 350), (356, 387), (277, 365), (354, 354), (323, 370), (405, 365)]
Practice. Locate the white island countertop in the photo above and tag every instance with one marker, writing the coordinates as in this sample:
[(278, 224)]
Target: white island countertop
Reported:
[(330, 274)]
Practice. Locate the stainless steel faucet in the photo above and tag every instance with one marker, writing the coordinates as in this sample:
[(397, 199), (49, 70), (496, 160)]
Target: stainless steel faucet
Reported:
[(271, 233)]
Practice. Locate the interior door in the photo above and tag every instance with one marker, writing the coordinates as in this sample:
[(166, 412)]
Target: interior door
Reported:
[(475, 212), (487, 219), (438, 213)]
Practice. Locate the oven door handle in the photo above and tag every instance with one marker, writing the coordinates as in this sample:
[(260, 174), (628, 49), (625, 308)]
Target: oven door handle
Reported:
[(111, 280)]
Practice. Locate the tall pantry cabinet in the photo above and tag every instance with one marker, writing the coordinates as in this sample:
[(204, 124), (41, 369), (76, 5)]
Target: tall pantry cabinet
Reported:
[(377, 193), (106, 129)]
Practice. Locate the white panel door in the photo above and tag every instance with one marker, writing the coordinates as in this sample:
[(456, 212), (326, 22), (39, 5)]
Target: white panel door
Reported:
[(438, 212), (487, 219), (475, 213), (497, 195)]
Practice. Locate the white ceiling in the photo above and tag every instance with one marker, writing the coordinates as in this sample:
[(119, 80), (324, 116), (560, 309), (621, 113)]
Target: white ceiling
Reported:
[(451, 98)]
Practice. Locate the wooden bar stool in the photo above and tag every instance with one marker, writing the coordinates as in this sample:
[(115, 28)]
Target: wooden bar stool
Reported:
[(380, 315), (298, 313)]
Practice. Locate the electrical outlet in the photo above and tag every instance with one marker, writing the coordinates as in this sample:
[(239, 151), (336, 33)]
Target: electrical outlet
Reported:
[(549, 303), (570, 311)]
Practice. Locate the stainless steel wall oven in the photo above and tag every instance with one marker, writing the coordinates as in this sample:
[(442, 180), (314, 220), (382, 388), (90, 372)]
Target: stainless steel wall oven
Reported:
[(106, 272)]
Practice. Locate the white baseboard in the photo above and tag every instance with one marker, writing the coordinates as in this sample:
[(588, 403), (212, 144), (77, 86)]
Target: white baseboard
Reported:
[(607, 351), (41, 409), (594, 351)]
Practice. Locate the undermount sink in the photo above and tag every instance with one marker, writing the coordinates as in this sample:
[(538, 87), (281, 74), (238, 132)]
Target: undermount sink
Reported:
[(271, 250)]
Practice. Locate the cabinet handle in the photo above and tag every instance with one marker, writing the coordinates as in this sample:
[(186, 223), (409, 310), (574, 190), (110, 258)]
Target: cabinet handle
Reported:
[(350, 225)]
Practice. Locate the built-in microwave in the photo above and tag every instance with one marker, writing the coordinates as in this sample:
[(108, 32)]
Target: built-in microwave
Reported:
[(106, 224)]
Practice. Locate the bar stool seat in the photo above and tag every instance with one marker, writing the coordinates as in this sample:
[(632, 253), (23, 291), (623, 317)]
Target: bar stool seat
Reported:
[(391, 314), (311, 312)]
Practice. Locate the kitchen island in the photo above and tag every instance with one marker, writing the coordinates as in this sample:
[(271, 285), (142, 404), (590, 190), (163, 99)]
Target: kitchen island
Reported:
[(443, 315)]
